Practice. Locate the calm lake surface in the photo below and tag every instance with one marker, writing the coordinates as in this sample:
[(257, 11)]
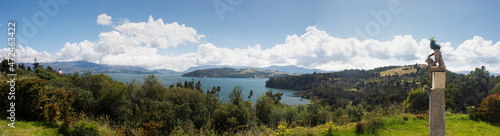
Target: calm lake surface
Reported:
[(226, 84)]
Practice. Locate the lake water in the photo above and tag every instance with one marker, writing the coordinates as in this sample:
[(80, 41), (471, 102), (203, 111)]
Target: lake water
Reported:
[(226, 84)]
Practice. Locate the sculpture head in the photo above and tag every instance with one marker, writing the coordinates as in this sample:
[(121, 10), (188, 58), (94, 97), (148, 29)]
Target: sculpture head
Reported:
[(434, 45)]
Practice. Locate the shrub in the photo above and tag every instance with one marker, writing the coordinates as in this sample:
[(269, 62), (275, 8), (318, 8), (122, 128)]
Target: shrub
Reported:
[(489, 108), (421, 116), (30, 98), (283, 130), (373, 121), (417, 101), (360, 127), (51, 112), (471, 110), (83, 128), (65, 127), (263, 108), (152, 128), (331, 131), (405, 117)]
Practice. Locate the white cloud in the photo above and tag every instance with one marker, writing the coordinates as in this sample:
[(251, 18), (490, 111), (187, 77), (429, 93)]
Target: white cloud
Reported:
[(316, 49), (104, 19), (27, 54), (137, 44), (157, 34), (129, 44)]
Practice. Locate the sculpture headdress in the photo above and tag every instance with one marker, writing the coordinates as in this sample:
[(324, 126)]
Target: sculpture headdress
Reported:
[(434, 45)]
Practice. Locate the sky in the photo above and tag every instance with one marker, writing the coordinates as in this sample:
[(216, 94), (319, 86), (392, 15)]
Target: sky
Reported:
[(323, 34)]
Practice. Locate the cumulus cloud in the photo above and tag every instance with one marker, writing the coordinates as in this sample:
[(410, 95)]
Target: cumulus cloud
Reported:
[(27, 54), (104, 19), (316, 49), (157, 34), (137, 44), (128, 44)]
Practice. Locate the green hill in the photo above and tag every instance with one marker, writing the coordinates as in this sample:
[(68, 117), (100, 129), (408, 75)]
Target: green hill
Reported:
[(235, 73)]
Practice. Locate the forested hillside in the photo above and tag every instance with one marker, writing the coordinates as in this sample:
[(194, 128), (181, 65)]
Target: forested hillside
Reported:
[(351, 101), (235, 73), (378, 87)]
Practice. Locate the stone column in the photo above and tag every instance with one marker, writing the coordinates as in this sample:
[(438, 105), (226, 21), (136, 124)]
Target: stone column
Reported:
[(437, 105)]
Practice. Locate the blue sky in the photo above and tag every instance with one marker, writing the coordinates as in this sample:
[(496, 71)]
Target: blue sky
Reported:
[(267, 24)]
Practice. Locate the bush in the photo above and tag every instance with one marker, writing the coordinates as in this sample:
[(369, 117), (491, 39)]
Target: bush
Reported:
[(373, 121), (489, 108), (417, 101), (51, 112), (83, 128), (360, 127), (471, 110), (331, 131), (264, 106), (30, 98), (283, 130), (152, 128), (405, 117), (421, 116)]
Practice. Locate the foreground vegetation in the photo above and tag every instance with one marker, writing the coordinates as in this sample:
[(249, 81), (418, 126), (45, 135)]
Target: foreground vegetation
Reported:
[(95, 104)]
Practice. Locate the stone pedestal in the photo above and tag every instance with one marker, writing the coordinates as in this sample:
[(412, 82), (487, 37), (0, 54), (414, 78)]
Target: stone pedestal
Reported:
[(437, 105)]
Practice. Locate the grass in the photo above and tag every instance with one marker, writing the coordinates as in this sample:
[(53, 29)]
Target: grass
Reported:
[(26, 128), (456, 125), (400, 70), (29, 128)]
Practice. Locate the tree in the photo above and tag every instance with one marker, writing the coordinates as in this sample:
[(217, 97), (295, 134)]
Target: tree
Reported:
[(235, 95), (251, 94), (5, 65), (263, 107), (417, 101), (36, 64), (490, 108), (198, 86), (276, 97), (152, 87), (50, 68), (22, 66)]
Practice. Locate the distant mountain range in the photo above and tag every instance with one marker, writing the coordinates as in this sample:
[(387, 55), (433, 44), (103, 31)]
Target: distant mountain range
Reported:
[(82, 66)]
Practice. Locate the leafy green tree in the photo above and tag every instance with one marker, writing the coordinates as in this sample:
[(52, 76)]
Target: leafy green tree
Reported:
[(275, 96), (235, 96), (250, 94), (417, 101), (5, 65), (490, 108), (152, 87), (225, 117), (263, 108), (36, 64)]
